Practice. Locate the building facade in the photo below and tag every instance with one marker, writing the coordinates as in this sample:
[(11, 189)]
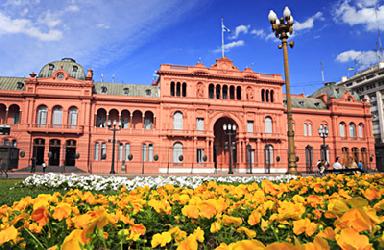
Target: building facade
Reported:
[(369, 84), (175, 125)]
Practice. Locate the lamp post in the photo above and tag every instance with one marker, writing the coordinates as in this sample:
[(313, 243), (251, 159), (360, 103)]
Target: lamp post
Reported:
[(113, 127), (323, 133), (283, 27), (230, 129)]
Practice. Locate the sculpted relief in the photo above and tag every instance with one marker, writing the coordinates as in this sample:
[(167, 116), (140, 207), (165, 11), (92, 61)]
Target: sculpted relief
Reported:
[(249, 93), (200, 90)]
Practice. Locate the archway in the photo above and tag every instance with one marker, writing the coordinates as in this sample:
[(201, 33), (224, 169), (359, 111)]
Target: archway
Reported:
[(221, 147)]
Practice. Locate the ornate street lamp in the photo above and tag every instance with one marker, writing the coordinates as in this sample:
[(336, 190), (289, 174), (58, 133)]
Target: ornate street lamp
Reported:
[(323, 133), (113, 127), (283, 27), (230, 129)]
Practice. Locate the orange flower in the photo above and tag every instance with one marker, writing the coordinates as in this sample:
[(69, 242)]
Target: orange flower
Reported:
[(327, 233), (189, 243), (304, 225), (73, 241), (356, 219), (40, 216), (282, 246), (62, 211), (8, 234), (318, 244), (371, 194), (136, 230), (191, 211), (254, 218), (230, 220), (289, 210), (177, 234), (215, 227), (349, 239), (250, 233), (246, 245), (337, 206), (160, 206)]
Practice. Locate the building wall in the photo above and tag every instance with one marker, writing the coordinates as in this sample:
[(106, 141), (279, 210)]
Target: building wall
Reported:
[(194, 102)]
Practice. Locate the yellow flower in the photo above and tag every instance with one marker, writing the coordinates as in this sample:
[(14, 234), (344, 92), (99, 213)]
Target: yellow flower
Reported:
[(178, 234), (198, 234), (289, 210), (282, 246), (337, 206), (246, 245), (304, 225), (230, 220), (61, 211), (73, 241), (250, 233), (8, 234), (161, 239), (349, 239), (189, 243), (161, 206), (264, 225), (215, 227), (254, 218), (318, 244), (191, 211)]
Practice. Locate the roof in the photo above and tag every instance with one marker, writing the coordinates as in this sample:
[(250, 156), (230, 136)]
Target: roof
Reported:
[(12, 83), (69, 65), (122, 89), (333, 91), (306, 103)]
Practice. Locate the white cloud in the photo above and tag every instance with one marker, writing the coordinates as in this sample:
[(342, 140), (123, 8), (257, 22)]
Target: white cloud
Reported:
[(360, 12), (241, 29), (231, 45), (27, 27), (362, 58), (258, 32), (34, 32), (309, 23)]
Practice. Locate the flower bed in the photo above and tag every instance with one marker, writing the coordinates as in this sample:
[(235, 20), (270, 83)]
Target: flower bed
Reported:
[(333, 212), (108, 183)]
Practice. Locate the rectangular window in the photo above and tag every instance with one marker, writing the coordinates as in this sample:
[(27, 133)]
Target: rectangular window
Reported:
[(199, 155), (127, 151), (120, 152), (200, 124), (249, 126), (147, 123), (103, 151), (150, 152), (16, 118), (96, 153), (144, 152)]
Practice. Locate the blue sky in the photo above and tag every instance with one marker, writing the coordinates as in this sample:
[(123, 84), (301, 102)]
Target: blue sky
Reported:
[(128, 40)]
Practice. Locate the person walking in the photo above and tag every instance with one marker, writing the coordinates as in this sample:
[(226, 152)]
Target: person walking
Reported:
[(33, 164), (337, 164), (44, 165)]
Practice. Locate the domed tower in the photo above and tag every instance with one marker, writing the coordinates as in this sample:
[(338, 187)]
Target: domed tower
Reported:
[(68, 65)]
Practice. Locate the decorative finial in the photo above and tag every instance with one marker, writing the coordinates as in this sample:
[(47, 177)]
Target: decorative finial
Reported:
[(89, 74), (33, 74)]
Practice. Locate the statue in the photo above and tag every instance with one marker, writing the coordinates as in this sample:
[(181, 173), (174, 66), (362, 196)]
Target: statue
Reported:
[(249, 94), (200, 90)]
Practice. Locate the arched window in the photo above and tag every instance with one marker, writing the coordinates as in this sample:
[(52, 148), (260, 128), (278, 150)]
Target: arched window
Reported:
[(225, 92), (172, 89), (268, 154), (352, 130), (360, 132), (178, 89), (127, 151), (342, 129), (96, 152), (307, 129), (262, 95), (267, 95), (211, 91), (177, 152), (232, 92), (148, 120), (272, 97), (178, 120), (72, 117), (238, 92), (57, 116), (184, 90), (218, 90), (268, 125), (101, 118), (42, 113)]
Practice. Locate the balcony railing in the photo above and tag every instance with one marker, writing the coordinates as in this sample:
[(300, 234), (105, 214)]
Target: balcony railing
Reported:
[(56, 128)]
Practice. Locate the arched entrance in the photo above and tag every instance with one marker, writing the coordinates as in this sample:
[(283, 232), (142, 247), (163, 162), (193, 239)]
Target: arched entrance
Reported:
[(70, 153), (38, 150), (221, 147), (309, 159), (54, 152)]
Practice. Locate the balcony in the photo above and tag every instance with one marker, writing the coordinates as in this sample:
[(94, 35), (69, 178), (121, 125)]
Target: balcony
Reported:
[(55, 128)]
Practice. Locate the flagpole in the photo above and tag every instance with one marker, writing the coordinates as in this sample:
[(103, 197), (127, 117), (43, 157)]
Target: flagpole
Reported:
[(222, 38)]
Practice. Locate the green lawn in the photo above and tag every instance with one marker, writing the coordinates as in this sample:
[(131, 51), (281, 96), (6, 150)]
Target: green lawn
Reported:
[(9, 193)]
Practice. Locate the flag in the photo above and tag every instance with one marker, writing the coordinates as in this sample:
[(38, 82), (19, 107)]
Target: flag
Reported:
[(224, 28)]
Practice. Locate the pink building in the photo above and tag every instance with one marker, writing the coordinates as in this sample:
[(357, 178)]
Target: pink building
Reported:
[(175, 125)]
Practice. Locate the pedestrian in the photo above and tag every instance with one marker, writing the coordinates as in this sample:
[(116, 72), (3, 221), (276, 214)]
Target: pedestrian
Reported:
[(44, 165), (321, 166), (33, 164), (360, 166), (337, 164)]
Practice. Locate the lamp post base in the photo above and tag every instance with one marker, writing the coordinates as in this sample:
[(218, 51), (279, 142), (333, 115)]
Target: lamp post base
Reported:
[(112, 172), (293, 171)]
